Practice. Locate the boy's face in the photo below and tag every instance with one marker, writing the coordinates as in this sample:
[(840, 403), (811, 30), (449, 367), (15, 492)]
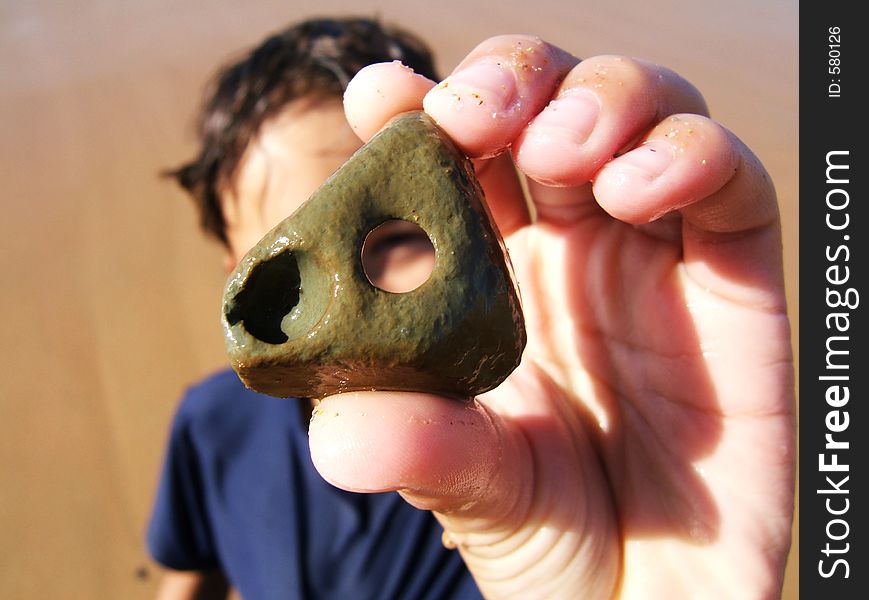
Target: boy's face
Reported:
[(294, 153)]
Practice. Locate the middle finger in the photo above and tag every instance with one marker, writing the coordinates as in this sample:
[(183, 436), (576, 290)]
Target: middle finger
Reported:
[(603, 106)]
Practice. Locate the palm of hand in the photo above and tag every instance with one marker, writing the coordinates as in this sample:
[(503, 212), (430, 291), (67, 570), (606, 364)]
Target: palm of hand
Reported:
[(656, 438)]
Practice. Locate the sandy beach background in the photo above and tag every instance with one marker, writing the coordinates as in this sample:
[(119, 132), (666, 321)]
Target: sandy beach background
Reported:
[(110, 295)]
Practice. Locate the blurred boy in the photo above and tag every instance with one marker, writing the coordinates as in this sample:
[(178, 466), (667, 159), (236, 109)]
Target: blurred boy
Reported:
[(612, 462), (239, 495)]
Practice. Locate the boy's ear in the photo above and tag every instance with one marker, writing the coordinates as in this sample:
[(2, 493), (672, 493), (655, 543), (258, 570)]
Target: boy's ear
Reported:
[(228, 261)]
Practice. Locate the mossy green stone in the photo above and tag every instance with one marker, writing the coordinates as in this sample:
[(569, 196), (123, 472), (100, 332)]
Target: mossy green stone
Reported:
[(302, 319)]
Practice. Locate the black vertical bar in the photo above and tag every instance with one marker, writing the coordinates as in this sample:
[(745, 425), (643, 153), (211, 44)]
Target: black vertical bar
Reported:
[(834, 367)]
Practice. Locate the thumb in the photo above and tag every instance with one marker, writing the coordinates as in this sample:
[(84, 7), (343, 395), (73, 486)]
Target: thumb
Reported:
[(517, 491), (441, 454)]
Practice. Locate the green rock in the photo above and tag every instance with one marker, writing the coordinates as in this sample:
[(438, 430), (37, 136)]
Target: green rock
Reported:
[(302, 319)]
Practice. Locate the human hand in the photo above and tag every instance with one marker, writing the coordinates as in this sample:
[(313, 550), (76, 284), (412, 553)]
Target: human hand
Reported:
[(644, 448)]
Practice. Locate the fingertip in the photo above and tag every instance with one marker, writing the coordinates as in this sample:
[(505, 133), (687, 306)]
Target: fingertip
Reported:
[(487, 101), (472, 106), (628, 188), (380, 91), (552, 149), (684, 160)]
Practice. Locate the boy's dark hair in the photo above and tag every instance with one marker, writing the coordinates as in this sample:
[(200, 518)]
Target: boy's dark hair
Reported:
[(317, 57)]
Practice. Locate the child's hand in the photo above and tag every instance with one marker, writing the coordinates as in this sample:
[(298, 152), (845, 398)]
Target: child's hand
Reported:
[(645, 446)]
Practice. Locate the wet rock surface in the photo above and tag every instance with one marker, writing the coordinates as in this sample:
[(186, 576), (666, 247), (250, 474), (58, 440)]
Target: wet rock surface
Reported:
[(301, 318)]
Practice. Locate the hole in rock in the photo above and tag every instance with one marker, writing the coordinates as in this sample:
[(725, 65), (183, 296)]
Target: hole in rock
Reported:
[(270, 293), (398, 256)]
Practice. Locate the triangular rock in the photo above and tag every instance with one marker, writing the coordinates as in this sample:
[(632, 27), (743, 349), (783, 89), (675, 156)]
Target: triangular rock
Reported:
[(302, 319)]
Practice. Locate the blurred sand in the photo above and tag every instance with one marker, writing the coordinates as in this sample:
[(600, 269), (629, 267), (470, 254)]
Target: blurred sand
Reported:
[(111, 298)]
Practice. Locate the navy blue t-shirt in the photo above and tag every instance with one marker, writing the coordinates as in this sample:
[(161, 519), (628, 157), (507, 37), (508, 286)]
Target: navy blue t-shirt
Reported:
[(238, 492)]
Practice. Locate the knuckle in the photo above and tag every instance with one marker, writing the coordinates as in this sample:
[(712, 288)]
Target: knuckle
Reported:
[(613, 71), (685, 126), (523, 54)]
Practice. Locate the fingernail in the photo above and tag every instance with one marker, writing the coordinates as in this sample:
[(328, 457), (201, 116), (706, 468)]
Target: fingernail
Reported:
[(484, 83), (652, 157), (572, 115)]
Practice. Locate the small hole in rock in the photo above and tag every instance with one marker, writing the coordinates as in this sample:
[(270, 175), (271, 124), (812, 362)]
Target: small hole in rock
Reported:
[(398, 256), (270, 293)]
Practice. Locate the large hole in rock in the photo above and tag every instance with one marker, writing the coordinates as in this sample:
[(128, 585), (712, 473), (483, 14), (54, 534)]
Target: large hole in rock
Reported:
[(398, 256), (270, 293)]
